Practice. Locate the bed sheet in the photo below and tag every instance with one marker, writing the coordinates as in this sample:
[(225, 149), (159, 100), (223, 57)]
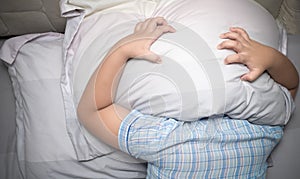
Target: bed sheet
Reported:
[(8, 154), (286, 156)]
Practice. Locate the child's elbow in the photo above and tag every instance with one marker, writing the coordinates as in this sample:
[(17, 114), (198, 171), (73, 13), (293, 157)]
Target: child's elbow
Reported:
[(83, 112)]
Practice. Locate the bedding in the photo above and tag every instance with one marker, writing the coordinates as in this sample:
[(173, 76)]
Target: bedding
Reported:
[(202, 73), (43, 147), (8, 155), (285, 157), (285, 162)]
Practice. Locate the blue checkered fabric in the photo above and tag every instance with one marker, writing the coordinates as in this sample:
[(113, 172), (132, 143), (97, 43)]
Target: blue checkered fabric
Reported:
[(217, 147)]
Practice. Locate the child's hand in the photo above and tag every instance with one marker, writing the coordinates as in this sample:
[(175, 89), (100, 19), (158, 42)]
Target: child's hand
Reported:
[(137, 45), (256, 56)]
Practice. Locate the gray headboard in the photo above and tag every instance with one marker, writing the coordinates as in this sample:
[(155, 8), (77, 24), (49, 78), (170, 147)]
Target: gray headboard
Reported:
[(286, 11), (19, 17)]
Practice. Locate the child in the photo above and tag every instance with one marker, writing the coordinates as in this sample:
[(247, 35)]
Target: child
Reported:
[(172, 148)]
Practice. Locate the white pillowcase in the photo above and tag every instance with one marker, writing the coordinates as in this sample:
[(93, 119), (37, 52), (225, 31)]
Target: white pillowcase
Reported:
[(192, 81), (191, 93), (44, 148)]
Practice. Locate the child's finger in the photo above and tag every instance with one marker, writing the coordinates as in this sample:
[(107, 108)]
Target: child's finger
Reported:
[(233, 58), (233, 36), (161, 21), (171, 29), (157, 21), (152, 57), (144, 24), (138, 26), (151, 23), (240, 31), (163, 29), (231, 45), (251, 76)]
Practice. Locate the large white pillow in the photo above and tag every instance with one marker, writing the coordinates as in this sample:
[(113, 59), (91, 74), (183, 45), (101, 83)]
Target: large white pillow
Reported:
[(192, 81)]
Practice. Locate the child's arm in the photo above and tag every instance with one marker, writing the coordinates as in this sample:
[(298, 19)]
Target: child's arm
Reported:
[(259, 58), (96, 110)]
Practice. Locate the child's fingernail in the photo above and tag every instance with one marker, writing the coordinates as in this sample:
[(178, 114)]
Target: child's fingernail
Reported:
[(226, 61)]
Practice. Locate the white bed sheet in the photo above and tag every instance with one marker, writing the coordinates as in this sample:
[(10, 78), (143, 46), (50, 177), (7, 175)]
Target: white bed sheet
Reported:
[(286, 156), (8, 154)]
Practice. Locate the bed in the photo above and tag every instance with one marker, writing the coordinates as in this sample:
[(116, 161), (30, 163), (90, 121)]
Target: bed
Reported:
[(39, 133)]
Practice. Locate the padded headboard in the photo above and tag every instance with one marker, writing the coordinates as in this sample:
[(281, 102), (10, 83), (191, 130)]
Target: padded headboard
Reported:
[(286, 11), (19, 17)]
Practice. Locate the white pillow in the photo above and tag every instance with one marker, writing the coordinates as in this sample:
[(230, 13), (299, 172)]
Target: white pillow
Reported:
[(192, 82), (43, 144), (203, 81)]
